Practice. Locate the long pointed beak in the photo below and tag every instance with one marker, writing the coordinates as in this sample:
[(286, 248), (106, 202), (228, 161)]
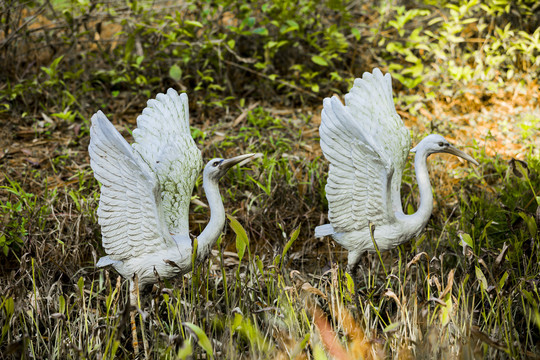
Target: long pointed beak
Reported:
[(229, 163), (455, 151)]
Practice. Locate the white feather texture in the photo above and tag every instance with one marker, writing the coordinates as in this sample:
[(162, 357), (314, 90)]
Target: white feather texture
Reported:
[(146, 191), (146, 188), (130, 211), (163, 139), (363, 162), (367, 144)]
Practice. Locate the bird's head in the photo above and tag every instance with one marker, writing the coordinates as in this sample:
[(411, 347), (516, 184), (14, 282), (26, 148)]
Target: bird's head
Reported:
[(216, 168), (434, 143)]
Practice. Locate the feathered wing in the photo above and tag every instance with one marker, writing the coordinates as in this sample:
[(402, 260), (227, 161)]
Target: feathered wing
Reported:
[(163, 139), (371, 103), (366, 145), (358, 178), (130, 211)]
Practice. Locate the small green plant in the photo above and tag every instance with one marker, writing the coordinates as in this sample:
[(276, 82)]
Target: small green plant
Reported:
[(16, 210)]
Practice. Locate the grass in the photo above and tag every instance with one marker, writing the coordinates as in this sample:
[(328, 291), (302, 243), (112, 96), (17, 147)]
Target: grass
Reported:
[(257, 299), (466, 288)]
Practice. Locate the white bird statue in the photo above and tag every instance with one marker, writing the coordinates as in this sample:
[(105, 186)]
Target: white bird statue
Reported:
[(146, 191), (367, 144)]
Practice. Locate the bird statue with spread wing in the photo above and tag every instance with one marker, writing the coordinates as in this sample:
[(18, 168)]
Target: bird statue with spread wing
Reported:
[(367, 145), (146, 191)]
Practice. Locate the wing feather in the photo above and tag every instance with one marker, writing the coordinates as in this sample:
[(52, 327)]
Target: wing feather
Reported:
[(366, 144), (163, 139), (371, 101), (129, 211)]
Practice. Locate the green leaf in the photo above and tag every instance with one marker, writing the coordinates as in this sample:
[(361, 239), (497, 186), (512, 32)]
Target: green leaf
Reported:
[(350, 283), (294, 236), (62, 304), (531, 223), (356, 33), (75, 200), (242, 240), (446, 311), (502, 281), (319, 60), (175, 72), (9, 306), (185, 351), (80, 285), (260, 31), (259, 264), (392, 327), (193, 23), (481, 277), (466, 238), (201, 338), (318, 353)]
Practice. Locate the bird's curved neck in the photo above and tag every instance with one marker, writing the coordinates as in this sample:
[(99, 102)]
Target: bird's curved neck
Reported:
[(417, 221), (213, 229)]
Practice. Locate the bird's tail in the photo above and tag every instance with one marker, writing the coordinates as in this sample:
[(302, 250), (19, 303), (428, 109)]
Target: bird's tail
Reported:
[(324, 230), (105, 261)]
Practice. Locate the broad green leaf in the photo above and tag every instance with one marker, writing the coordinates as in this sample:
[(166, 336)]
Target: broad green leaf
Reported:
[(319, 60), (193, 23), (237, 321), (466, 238), (242, 240), (446, 311), (201, 338), (175, 72)]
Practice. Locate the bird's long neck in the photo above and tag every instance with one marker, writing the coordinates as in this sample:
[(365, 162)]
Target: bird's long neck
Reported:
[(213, 229), (417, 221)]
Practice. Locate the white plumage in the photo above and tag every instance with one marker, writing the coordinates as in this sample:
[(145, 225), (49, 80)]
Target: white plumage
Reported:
[(367, 144), (146, 190)]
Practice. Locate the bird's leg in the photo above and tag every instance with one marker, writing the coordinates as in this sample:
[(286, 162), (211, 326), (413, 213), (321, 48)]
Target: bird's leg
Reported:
[(133, 296)]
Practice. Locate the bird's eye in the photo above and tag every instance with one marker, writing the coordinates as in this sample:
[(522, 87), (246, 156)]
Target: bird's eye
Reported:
[(441, 144), (216, 163)]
